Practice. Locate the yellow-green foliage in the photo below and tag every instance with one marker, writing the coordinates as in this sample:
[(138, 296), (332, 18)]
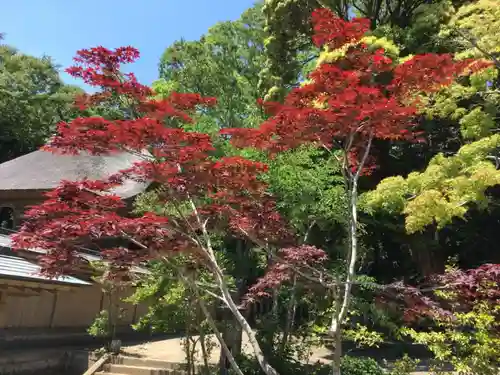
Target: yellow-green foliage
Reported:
[(329, 56), (373, 43), (476, 124), (443, 191), (471, 351), (481, 20), (471, 103), (445, 102), (363, 336), (479, 80), (164, 88), (451, 102)]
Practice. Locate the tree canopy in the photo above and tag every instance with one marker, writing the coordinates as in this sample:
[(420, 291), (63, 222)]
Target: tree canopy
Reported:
[(33, 99)]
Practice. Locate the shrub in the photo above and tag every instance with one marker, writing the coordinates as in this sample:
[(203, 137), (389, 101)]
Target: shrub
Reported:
[(469, 341), (404, 366), (360, 366), (100, 325)]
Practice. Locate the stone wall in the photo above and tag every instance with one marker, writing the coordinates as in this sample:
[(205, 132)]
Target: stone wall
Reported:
[(46, 362)]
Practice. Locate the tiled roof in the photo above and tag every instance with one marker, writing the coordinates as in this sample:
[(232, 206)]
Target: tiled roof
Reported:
[(19, 268), (43, 170)]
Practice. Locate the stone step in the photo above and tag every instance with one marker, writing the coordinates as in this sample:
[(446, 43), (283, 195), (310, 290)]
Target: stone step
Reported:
[(146, 362), (139, 370)]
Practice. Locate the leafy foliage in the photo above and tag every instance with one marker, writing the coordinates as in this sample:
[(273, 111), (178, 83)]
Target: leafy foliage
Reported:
[(205, 195), (404, 366), (464, 306), (444, 190), (225, 64), (470, 27), (33, 100), (308, 187), (411, 24), (167, 300), (360, 366), (469, 341), (100, 326)]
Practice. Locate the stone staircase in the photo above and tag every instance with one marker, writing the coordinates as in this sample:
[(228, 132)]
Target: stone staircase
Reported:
[(122, 365)]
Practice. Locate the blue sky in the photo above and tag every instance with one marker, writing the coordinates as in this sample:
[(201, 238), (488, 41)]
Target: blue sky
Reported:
[(58, 28)]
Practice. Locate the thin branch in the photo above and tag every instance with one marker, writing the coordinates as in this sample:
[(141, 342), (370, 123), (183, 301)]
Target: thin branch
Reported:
[(222, 299), (308, 231), (213, 326), (365, 156)]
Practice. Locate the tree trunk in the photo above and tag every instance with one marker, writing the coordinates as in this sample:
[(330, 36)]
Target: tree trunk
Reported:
[(187, 348), (204, 351), (292, 303), (228, 299), (232, 335), (342, 307), (337, 359), (212, 324), (275, 292), (427, 253), (337, 335), (290, 315), (252, 339), (343, 303)]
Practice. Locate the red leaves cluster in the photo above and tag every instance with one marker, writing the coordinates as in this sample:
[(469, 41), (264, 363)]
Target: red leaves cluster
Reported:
[(433, 72), (100, 67), (97, 135), (465, 289), (227, 192), (361, 95), (290, 262), (175, 106), (78, 214), (482, 283), (333, 31)]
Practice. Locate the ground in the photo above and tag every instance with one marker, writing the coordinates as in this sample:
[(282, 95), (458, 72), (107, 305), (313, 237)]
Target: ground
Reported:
[(172, 350)]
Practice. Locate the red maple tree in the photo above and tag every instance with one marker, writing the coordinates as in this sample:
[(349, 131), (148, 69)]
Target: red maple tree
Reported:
[(209, 195), (347, 103)]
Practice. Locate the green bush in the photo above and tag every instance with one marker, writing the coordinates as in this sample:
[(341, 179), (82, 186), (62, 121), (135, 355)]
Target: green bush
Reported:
[(350, 366), (404, 366), (100, 325), (470, 342), (360, 366)]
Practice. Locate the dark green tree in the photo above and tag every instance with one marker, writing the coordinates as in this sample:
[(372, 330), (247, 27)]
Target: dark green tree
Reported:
[(33, 99), (224, 63)]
